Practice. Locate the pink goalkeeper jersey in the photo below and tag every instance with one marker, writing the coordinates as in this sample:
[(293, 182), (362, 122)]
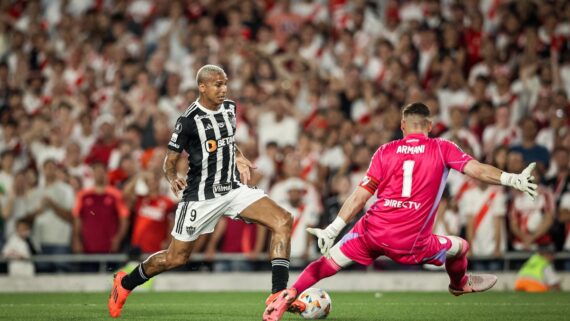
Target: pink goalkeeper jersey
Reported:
[(410, 176)]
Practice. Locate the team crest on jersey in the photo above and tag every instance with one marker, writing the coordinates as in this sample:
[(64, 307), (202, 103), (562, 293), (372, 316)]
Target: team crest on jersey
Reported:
[(190, 230)]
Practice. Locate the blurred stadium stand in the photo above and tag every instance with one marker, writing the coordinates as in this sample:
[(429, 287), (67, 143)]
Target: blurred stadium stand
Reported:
[(319, 86)]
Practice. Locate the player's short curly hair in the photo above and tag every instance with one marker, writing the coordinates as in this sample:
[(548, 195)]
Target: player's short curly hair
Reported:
[(206, 72), (416, 108)]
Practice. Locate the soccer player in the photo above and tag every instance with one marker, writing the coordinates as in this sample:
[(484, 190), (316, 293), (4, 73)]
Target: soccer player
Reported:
[(408, 176), (211, 190)]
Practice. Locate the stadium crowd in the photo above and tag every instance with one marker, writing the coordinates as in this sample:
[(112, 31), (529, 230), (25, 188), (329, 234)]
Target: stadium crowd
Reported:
[(90, 91)]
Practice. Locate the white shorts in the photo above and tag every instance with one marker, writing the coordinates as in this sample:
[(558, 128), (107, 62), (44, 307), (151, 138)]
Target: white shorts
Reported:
[(200, 217)]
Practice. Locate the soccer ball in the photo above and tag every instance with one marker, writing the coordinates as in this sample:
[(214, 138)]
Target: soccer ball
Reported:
[(318, 304)]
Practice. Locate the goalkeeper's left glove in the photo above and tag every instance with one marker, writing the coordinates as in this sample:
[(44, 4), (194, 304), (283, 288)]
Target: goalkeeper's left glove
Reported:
[(522, 182), (326, 237)]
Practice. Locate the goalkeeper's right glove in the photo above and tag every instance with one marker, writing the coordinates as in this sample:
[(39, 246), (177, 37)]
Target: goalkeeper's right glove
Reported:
[(326, 237), (522, 182)]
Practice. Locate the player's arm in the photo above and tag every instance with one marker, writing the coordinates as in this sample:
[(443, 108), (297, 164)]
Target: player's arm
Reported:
[(492, 175), (178, 141), (354, 204), (177, 184), (351, 207)]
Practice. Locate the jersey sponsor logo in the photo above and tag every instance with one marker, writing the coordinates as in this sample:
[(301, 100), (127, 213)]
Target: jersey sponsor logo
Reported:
[(213, 145), (402, 204), (411, 149), (222, 188)]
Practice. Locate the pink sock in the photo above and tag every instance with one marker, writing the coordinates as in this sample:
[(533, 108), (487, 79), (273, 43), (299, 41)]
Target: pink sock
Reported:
[(457, 267), (316, 271)]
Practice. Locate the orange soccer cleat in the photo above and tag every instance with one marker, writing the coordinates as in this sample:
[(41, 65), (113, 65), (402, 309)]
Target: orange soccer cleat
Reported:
[(296, 307), (475, 283), (278, 303), (118, 295)]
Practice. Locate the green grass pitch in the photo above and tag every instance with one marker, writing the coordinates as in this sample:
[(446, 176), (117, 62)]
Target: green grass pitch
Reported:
[(360, 306)]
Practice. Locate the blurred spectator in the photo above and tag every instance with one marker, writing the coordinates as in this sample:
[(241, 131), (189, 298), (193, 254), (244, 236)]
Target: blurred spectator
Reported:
[(153, 212), (18, 202), (276, 125), (284, 21), (292, 172), (485, 209), (44, 141), (502, 133), (447, 220), (100, 216), (340, 191), (530, 220), (6, 171), (74, 164), (324, 81), (531, 151), (304, 216), (106, 141), (564, 219), (538, 273), (549, 136), (560, 185), (451, 90), (458, 131), (52, 217), (19, 250), (236, 236), (266, 170)]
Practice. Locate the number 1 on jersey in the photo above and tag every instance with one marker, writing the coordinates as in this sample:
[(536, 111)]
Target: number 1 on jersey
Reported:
[(408, 170)]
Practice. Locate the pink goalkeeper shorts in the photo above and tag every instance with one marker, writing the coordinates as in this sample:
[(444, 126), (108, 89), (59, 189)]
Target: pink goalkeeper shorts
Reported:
[(359, 247)]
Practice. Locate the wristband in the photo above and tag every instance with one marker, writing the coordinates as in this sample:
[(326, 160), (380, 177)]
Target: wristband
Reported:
[(506, 179), (336, 226)]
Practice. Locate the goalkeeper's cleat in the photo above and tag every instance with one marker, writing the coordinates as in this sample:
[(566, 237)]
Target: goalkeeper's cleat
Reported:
[(475, 283), (118, 295), (297, 306), (280, 303)]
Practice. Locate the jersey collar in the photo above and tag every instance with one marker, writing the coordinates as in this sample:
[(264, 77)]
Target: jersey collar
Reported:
[(209, 111), (416, 135)]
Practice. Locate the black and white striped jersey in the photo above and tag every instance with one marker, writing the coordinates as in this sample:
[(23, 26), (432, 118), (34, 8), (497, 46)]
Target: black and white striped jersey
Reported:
[(208, 138)]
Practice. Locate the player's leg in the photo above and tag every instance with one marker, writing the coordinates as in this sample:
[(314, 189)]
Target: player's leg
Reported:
[(352, 248), (456, 267), (176, 255), (456, 261), (266, 212), (192, 220), (322, 268)]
